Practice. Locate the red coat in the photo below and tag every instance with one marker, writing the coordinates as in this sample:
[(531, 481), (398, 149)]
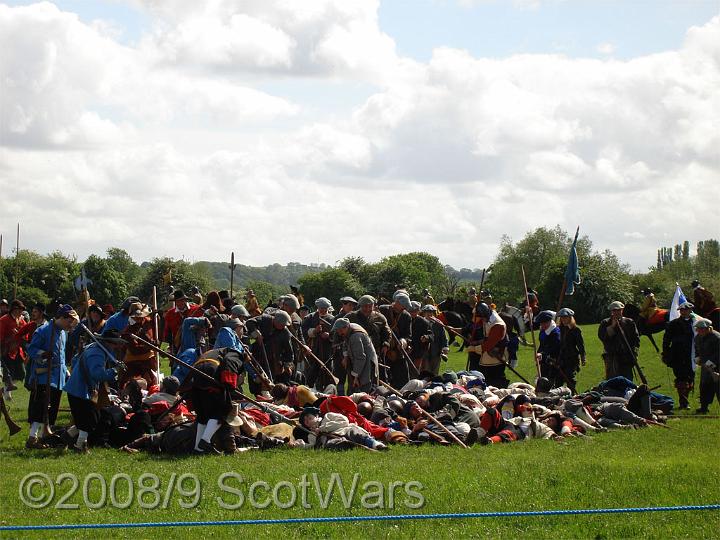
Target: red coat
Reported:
[(11, 333), (174, 319), (346, 406)]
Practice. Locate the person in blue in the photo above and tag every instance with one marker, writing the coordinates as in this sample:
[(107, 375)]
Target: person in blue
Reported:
[(47, 345), (120, 320), (549, 348), (194, 334), (89, 370), (230, 335)]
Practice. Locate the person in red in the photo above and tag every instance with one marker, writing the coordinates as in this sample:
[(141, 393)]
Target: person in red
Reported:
[(139, 358), (13, 355), (175, 316)]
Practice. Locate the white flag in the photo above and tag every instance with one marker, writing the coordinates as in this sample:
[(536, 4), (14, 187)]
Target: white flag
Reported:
[(678, 299)]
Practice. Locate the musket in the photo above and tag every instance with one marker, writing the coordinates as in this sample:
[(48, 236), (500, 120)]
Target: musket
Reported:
[(48, 377), (12, 426), (237, 394), (156, 330), (632, 353), (267, 362), (530, 317), (320, 362), (430, 417), (458, 334), (114, 361), (408, 360)]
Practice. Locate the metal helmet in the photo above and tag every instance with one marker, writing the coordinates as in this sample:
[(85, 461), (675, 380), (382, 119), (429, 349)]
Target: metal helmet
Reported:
[(483, 310)]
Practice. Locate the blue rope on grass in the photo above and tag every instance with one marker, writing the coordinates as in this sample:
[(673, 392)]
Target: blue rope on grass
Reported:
[(335, 519)]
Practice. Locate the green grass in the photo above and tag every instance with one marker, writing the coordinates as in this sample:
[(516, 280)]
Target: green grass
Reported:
[(649, 467)]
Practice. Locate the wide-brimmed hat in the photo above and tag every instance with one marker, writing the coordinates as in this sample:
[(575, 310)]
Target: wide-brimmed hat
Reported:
[(179, 295), (687, 305), (139, 311), (17, 304), (233, 418)]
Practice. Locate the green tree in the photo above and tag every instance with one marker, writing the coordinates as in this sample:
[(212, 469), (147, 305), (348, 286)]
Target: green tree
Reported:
[(332, 283), (265, 291), (108, 285), (416, 271), (184, 277)]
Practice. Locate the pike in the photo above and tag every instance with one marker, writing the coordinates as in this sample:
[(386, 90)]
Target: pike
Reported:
[(430, 417), (408, 360), (530, 317), (156, 330), (237, 394), (231, 267), (458, 334), (632, 354), (48, 377), (482, 283), (309, 352)]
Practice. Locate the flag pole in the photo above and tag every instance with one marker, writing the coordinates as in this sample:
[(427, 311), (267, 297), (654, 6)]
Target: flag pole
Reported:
[(565, 283), (17, 252)]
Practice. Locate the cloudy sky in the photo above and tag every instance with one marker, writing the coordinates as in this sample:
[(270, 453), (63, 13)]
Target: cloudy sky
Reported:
[(309, 131)]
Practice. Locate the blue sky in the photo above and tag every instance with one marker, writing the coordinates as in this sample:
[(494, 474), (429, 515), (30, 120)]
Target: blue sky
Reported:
[(492, 28)]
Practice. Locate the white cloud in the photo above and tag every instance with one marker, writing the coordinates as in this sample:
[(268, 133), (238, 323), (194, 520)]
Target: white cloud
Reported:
[(169, 147)]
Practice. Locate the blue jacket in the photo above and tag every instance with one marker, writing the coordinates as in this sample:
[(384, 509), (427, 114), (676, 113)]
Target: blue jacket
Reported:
[(228, 338), (189, 356), (118, 321), (550, 344), (189, 339), (95, 359), (41, 342)]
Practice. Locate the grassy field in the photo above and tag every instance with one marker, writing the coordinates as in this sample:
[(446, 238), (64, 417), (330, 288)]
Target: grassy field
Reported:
[(648, 467)]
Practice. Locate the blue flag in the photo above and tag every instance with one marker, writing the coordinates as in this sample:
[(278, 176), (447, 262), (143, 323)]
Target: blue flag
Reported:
[(572, 273)]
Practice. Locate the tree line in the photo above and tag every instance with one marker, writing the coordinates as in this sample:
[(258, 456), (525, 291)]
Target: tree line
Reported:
[(543, 253)]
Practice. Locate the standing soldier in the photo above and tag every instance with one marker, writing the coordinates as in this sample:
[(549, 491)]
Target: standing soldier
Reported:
[(361, 357), (621, 341), (707, 356), (677, 352), (572, 346), (488, 340), (421, 336), (549, 348), (316, 329), (139, 358), (427, 299), (439, 347), (174, 318), (47, 345), (347, 305), (273, 345), (13, 355), (252, 304), (89, 370), (399, 321), (375, 324)]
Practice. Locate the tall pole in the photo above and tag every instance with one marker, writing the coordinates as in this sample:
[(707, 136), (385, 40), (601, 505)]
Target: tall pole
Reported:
[(156, 330), (530, 317), (565, 283), (17, 252), (232, 272)]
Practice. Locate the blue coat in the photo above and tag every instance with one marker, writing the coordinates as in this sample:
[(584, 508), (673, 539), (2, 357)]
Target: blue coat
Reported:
[(189, 356), (550, 344), (228, 338), (78, 384), (40, 343), (189, 339), (119, 321)]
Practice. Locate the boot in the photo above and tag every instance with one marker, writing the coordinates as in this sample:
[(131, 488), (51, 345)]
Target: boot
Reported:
[(33, 443)]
